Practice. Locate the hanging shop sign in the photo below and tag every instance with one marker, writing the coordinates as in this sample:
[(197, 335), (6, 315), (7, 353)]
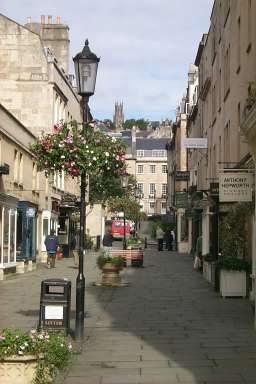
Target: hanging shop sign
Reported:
[(181, 199), (235, 186), (194, 143), (30, 212), (182, 175)]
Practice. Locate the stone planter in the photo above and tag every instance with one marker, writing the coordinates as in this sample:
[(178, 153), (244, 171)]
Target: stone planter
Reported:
[(18, 369), (110, 275), (232, 283)]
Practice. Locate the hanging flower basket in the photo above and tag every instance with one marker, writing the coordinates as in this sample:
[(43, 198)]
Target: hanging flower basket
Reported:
[(73, 151)]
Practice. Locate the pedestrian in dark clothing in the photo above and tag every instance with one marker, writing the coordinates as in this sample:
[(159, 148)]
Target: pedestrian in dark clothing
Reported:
[(51, 243), (169, 239), (108, 240), (74, 251)]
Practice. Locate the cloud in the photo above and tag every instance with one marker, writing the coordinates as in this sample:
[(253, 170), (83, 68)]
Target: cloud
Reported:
[(145, 47)]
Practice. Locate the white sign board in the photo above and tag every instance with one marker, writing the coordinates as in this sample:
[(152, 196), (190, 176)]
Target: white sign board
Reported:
[(30, 212), (194, 143), (53, 312), (235, 186)]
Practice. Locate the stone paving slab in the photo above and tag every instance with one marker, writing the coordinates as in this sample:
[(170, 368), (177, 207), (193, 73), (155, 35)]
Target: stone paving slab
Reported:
[(167, 326)]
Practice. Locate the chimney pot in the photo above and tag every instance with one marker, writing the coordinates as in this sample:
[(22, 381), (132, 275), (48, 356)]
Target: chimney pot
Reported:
[(49, 19), (58, 19), (42, 19), (29, 20)]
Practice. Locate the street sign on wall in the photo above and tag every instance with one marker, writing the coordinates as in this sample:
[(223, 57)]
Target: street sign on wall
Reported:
[(181, 199), (235, 186), (194, 143), (182, 175)]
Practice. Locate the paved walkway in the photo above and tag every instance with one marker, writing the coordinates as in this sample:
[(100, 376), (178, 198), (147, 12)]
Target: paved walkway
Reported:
[(168, 326)]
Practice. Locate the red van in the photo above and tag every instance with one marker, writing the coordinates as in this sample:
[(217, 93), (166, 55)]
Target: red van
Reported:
[(118, 228)]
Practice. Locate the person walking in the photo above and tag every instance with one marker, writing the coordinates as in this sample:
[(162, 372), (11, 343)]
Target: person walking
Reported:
[(169, 239), (108, 240), (51, 243), (74, 251), (160, 238)]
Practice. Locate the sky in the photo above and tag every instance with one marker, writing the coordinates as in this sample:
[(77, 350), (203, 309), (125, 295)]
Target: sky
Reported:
[(145, 47)]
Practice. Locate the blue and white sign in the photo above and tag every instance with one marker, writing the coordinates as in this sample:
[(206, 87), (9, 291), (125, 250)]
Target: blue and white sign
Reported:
[(30, 212)]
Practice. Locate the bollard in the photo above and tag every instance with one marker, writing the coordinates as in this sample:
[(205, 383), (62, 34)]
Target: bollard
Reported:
[(145, 242)]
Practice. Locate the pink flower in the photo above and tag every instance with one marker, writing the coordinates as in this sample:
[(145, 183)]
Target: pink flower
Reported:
[(57, 128)]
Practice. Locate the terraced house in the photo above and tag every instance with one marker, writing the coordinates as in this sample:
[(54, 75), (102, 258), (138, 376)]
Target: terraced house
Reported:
[(36, 92)]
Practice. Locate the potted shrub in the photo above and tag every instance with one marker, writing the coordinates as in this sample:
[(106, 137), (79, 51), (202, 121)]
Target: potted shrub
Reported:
[(111, 267), (134, 243), (233, 276), (209, 267), (32, 357), (233, 265)]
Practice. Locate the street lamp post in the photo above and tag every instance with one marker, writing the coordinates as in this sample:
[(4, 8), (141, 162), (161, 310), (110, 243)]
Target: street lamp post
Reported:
[(86, 65), (125, 177)]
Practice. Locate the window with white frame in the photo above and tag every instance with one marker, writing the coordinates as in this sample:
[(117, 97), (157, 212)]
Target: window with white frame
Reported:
[(34, 177), (164, 189), (21, 168), (140, 153), (18, 167), (152, 168), (159, 153), (59, 180), (164, 168), (163, 207), (8, 220), (140, 187), (152, 207), (152, 188), (140, 169)]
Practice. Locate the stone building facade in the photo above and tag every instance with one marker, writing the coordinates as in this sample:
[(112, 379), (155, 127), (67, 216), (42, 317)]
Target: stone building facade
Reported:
[(35, 94), (222, 112)]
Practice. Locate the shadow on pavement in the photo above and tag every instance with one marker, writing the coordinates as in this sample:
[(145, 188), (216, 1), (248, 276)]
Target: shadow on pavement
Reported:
[(167, 326)]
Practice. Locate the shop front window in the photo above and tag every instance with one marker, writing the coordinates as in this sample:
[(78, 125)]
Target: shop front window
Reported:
[(45, 231), (19, 234), (6, 236), (1, 239), (12, 235)]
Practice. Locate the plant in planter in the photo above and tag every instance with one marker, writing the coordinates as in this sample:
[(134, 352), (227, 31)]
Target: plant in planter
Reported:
[(110, 266), (234, 238), (134, 243), (32, 357)]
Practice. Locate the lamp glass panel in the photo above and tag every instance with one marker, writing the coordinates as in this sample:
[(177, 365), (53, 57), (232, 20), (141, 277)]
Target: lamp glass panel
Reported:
[(87, 72)]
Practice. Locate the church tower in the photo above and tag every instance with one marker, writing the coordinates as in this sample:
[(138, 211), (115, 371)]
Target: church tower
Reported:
[(118, 119)]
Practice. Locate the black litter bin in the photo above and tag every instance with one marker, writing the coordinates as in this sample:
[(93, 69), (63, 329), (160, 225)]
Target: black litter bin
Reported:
[(55, 302)]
